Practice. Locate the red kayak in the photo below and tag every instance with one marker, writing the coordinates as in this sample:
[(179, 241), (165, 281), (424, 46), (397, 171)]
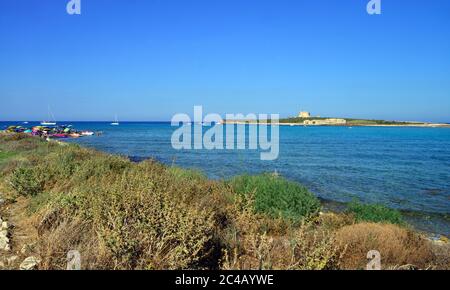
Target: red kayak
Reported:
[(59, 135)]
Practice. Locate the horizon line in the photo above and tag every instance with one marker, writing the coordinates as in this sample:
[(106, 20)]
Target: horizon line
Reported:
[(169, 121)]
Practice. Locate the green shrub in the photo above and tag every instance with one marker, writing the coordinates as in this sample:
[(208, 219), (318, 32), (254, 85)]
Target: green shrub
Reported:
[(138, 223), (39, 201), (20, 142), (99, 165), (64, 167), (278, 197), (5, 155), (186, 174), (26, 182), (15, 137), (375, 213)]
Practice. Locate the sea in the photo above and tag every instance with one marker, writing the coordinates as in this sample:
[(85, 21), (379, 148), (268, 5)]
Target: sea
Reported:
[(406, 168)]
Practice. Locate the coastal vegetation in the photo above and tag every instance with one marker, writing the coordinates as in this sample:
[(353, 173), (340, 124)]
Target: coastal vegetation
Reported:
[(124, 215), (5, 155), (278, 197), (349, 121), (375, 213)]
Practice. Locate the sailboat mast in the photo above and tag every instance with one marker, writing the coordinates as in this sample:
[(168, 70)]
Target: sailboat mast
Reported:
[(50, 114)]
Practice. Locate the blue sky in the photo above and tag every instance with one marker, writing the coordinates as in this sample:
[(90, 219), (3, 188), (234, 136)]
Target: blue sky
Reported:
[(150, 59)]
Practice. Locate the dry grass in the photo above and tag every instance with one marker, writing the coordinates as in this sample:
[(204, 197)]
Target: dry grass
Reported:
[(442, 256), (257, 242), (397, 246), (138, 225)]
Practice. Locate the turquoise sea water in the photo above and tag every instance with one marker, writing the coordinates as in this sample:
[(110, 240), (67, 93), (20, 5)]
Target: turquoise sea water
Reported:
[(403, 168)]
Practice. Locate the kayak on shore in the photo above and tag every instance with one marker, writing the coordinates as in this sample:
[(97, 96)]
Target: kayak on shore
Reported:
[(59, 132)]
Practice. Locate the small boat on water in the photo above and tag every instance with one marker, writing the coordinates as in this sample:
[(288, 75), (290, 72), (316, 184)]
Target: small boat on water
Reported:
[(116, 122), (75, 135), (47, 123), (87, 133)]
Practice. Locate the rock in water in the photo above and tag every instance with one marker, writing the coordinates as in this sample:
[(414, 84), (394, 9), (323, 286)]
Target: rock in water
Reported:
[(30, 263)]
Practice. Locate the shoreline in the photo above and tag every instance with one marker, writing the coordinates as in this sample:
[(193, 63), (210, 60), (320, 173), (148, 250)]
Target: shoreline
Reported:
[(415, 218)]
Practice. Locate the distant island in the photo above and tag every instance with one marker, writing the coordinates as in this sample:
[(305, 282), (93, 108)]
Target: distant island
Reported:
[(306, 119)]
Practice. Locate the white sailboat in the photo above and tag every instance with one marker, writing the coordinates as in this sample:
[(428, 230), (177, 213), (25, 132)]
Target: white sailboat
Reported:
[(116, 122), (47, 123)]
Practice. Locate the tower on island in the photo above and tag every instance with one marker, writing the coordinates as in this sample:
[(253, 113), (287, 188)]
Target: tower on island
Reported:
[(304, 115)]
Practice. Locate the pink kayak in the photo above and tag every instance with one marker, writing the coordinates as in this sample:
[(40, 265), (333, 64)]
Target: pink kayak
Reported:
[(59, 136)]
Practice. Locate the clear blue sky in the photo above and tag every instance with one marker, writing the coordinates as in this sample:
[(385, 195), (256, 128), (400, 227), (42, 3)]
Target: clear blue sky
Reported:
[(149, 59)]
